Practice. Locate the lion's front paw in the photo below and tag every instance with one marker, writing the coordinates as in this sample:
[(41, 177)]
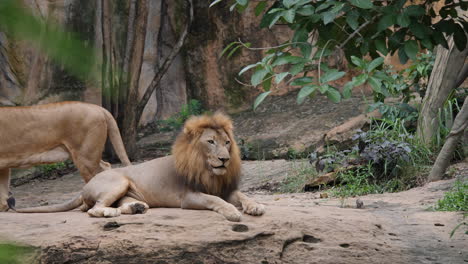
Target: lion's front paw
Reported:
[(253, 208), (3, 207), (231, 213), (104, 212)]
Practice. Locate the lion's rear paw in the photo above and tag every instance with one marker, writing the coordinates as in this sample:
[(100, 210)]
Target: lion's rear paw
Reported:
[(104, 212), (253, 208), (134, 208)]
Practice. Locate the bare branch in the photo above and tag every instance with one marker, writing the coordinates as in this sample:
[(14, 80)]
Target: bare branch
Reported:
[(355, 33), (165, 66)]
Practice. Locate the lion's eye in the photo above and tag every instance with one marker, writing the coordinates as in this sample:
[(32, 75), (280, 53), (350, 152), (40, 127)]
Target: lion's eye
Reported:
[(211, 141), (228, 142)]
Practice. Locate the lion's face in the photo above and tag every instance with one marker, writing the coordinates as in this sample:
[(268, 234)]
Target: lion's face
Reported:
[(217, 146)]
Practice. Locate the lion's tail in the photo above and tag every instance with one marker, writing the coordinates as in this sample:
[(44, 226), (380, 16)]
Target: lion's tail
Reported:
[(116, 139), (67, 206)]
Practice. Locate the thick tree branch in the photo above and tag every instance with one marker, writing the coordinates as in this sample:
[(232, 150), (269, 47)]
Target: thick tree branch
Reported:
[(445, 155), (165, 66), (462, 76)]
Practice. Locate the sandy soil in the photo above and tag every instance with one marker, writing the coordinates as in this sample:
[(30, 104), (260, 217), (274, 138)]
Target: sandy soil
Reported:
[(297, 228)]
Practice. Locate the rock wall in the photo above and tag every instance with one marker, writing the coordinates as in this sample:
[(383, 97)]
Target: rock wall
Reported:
[(28, 77)]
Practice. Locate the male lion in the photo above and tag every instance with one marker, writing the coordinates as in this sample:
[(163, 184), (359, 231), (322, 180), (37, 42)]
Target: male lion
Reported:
[(51, 133), (202, 173)]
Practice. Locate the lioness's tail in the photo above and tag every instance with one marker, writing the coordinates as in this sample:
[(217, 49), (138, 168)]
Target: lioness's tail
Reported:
[(67, 206), (116, 139)]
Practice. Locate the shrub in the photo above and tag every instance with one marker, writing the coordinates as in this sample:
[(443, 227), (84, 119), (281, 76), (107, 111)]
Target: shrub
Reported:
[(455, 199)]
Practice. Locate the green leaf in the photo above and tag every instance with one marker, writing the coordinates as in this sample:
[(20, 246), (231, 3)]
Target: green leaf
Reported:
[(418, 30), (323, 6), (361, 64), (323, 88), (374, 64), (411, 49), (297, 68), (386, 22), (242, 2), (302, 81), (306, 10), (333, 95), (304, 92), (414, 10), (232, 51), (328, 17), (459, 37), (260, 7), (381, 46), (402, 56), (332, 75), (376, 84), (280, 76), (347, 90), (364, 4), (228, 47), (306, 50), (274, 20), (215, 2), (289, 3), (267, 82), (359, 80), (301, 35), (289, 15), (258, 76), (427, 43), (439, 38), (403, 20), (260, 99), (275, 10), (288, 59), (352, 19)]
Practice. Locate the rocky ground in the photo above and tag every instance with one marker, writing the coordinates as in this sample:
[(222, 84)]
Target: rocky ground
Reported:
[(297, 228)]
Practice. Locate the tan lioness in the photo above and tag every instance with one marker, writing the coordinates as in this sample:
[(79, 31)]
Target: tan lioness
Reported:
[(202, 173), (52, 133)]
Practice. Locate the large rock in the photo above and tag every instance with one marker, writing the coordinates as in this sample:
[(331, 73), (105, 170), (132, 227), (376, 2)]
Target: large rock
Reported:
[(297, 228)]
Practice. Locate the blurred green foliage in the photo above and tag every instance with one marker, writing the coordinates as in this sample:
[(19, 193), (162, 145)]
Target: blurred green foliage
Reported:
[(65, 48), (15, 254)]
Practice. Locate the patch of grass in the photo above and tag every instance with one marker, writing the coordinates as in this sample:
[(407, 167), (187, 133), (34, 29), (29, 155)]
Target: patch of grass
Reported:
[(15, 254), (175, 122), (386, 158), (302, 173), (455, 199), (49, 168)]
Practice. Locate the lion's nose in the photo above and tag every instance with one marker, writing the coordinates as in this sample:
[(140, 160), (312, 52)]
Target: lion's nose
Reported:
[(223, 159)]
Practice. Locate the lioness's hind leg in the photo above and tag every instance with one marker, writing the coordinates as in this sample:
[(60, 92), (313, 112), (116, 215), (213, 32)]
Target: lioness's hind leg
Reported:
[(103, 190), (129, 205), (4, 188)]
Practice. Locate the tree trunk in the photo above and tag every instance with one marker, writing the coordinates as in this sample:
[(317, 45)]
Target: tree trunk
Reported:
[(130, 118), (107, 47), (445, 155), (447, 66)]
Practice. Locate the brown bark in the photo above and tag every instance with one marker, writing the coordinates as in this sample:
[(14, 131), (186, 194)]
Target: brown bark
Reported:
[(447, 66), (445, 155), (130, 119), (159, 95), (107, 66)]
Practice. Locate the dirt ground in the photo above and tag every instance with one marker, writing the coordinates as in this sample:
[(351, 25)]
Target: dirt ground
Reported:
[(297, 228)]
